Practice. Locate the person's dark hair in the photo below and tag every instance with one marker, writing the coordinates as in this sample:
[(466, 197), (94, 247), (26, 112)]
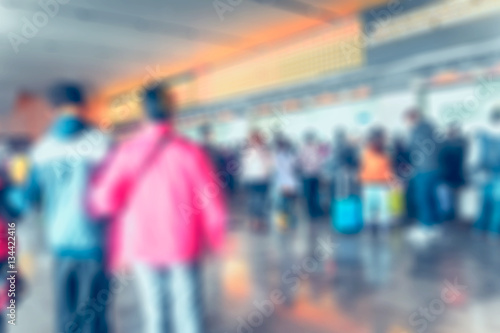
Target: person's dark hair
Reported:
[(377, 138), (157, 105), (399, 142), (454, 129), (256, 137), (339, 134), (66, 93), (310, 136), (495, 115), (282, 143), (205, 130), (413, 114)]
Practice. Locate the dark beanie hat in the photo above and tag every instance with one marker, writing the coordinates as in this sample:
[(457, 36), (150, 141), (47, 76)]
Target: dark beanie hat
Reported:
[(155, 103), (66, 93)]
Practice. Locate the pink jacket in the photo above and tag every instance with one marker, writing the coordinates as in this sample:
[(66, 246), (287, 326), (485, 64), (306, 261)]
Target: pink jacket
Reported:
[(165, 214)]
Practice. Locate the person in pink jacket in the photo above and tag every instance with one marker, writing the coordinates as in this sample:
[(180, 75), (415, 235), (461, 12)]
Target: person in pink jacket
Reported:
[(168, 206)]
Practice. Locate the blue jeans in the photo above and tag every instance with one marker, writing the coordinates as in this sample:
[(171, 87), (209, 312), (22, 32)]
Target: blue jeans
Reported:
[(425, 196), (489, 219), (171, 298), (80, 285), (257, 199), (311, 193)]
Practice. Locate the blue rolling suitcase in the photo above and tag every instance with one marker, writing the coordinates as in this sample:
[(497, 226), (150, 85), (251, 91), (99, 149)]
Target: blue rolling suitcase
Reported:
[(347, 216)]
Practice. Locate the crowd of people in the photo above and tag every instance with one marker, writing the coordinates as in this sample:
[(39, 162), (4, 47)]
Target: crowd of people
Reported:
[(156, 202), (376, 182)]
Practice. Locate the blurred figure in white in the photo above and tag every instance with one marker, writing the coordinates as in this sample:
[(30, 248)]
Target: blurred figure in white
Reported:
[(285, 186), (311, 162), (257, 166), (285, 183)]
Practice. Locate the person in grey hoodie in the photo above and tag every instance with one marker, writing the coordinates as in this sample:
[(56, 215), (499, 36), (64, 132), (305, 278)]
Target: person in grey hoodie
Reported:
[(61, 165)]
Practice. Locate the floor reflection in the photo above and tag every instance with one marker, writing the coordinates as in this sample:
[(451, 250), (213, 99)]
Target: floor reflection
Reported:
[(367, 283)]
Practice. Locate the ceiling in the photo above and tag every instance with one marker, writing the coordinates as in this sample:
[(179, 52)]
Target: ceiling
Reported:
[(115, 44)]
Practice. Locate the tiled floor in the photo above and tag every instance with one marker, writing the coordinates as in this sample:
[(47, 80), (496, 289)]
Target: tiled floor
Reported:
[(366, 284)]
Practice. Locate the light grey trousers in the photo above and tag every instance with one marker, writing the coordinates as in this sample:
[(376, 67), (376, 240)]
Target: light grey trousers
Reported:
[(171, 298)]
